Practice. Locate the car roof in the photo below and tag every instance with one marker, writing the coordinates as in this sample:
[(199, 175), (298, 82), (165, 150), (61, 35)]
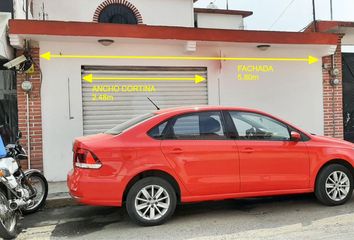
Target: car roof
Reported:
[(199, 108)]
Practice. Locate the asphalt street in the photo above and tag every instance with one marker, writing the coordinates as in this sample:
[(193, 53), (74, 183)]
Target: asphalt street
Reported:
[(288, 217)]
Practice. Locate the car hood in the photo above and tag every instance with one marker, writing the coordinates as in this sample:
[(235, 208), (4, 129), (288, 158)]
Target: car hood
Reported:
[(333, 141)]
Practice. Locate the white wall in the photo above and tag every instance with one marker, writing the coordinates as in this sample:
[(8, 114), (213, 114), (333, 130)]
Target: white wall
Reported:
[(347, 40), (219, 21), (293, 91), (156, 12), (5, 48), (20, 10)]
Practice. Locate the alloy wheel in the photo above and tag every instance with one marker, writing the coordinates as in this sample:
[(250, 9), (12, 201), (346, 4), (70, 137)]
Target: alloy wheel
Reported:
[(337, 186), (152, 202)]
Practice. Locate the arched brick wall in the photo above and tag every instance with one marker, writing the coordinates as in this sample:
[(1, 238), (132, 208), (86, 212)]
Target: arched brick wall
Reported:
[(122, 2)]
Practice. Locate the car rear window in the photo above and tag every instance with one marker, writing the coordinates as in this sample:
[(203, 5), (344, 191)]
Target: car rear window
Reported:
[(130, 123)]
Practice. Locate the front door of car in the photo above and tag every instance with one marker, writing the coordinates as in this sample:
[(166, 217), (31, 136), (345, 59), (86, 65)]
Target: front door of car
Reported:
[(269, 159), (198, 149)]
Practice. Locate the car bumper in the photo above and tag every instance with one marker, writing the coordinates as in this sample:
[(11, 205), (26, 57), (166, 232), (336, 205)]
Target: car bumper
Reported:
[(88, 187)]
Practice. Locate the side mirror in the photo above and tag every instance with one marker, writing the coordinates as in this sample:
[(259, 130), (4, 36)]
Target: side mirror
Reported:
[(295, 136), (19, 135)]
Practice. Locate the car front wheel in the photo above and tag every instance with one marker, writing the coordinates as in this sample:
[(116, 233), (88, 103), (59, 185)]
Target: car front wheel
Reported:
[(334, 185), (151, 201)]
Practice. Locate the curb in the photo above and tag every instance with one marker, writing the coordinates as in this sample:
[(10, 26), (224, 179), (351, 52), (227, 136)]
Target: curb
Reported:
[(60, 200)]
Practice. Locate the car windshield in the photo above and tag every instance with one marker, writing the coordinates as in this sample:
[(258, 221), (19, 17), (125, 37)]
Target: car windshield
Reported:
[(130, 123)]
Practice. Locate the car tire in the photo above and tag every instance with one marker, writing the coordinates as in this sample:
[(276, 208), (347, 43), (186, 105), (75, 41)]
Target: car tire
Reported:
[(151, 201), (334, 185)]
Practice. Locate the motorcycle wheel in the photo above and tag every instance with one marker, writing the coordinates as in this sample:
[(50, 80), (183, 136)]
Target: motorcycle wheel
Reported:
[(8, 218), (40, 185)]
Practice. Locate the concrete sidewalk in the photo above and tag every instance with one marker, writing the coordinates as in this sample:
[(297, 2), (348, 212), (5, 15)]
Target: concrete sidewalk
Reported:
[(58, 195)]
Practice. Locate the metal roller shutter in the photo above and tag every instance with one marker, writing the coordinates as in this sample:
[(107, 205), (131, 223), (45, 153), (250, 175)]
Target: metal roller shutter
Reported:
[(99, 116)]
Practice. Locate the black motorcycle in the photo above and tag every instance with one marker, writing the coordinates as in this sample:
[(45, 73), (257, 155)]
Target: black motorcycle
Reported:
[(21, 191)]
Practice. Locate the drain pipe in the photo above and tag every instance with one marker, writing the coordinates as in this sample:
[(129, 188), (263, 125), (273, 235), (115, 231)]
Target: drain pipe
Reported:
[(27, 87), (28, 131)]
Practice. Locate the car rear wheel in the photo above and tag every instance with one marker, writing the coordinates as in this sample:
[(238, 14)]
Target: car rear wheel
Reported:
[(334, 185), (151, 201)]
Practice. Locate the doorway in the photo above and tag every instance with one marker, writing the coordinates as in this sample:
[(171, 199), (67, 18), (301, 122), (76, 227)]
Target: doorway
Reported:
[(8, 106), (348, 96)]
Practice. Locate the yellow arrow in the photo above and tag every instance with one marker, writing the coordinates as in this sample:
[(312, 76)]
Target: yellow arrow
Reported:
[(309, 59), (90, 78)]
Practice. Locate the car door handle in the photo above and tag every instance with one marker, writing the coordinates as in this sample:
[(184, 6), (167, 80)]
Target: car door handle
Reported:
[(247, 150), (176, 151)]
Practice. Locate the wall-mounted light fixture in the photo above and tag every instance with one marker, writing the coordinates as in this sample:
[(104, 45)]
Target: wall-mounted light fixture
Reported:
[(263, 47), (106, 42)]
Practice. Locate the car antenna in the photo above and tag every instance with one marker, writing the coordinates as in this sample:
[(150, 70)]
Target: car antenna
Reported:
[(157, 107)]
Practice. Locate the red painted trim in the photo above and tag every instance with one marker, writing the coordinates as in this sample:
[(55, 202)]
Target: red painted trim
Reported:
[(345, 24), (327, 26), (223, 11), (87, 29)]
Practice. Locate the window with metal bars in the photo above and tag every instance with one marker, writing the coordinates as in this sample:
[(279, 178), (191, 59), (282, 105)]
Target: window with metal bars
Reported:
[(117, 13)]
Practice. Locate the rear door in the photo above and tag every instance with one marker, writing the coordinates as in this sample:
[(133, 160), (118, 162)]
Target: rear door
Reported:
[(202, 155)]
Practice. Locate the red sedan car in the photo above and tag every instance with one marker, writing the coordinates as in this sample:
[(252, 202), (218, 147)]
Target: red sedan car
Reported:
[(192, 154)]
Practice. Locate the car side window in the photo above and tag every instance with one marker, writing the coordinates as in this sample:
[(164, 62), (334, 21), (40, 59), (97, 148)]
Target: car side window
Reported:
[(253, 126), (186, 127), (158, 131), (198, 126)]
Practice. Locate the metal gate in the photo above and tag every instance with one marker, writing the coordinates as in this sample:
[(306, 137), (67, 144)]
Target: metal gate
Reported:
[(107, 103)]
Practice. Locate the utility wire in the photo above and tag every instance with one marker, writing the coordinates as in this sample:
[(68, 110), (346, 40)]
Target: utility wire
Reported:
[(282, 14)]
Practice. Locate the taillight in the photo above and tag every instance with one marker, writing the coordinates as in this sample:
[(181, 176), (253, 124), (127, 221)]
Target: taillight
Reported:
[(85, 159)]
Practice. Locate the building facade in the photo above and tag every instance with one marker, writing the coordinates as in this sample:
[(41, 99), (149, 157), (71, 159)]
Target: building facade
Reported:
[(63, 106)]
